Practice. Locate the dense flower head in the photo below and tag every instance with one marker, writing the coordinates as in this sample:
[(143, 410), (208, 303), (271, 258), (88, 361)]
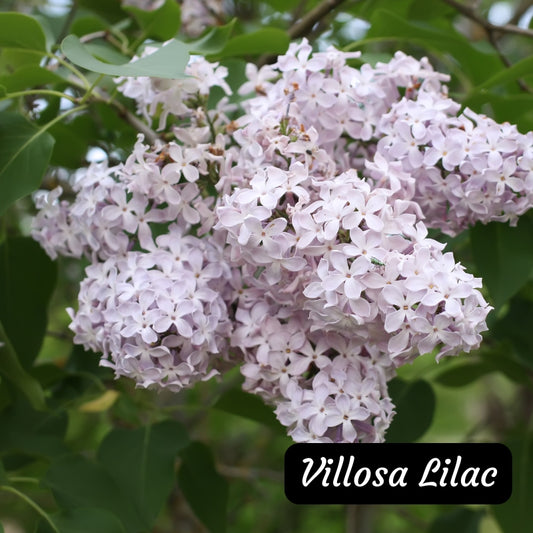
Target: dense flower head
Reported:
[(157, 317), (289, 235)]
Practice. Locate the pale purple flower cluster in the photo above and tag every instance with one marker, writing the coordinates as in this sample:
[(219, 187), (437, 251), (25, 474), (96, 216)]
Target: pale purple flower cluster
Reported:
[(157, 317), (293, 237), (460, 169), (115, 209), (196, 15)]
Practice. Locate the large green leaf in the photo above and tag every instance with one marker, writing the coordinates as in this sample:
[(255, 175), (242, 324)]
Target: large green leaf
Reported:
[(108, 10), (415, 407), (203, 487), (24, 155), (514, 108), (522, 68), (263, 41), (443, 38), (27, 281), (31, 432), (11, 369), (3, 475), (29, 76), (160, 24), (167, 62), (76, 482), (516, 515), (464, 374), (283, 5), (73, 141), (424, 10), (213, 41), (240, 403), (503, 257), (83, 520), (141, 463), (514, 327), (21, 32)]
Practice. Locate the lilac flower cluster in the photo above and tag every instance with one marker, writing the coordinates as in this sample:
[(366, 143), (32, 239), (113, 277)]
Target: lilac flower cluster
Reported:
[(293, 237), (196, 15)]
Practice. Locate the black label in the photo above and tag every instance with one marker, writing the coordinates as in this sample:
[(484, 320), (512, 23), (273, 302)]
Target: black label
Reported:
[(469, 473)]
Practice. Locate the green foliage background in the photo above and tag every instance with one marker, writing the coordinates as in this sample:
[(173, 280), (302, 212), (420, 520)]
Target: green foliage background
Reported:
[(83, 453)]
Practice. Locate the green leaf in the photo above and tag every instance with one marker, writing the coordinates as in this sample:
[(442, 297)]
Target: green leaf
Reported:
[(515, 327), (90, 24), (514, 108), (84, 520), (111, 11), (203, 487), (167, 62), (460, 520), (114, 130), (506, 359), (73, 141), (106, 53), (24, 155), (141, 462), (76, 482), (29, 76), (3, 475), (283, 5), (31, 432), (516, 514), (240, 403), (27, 281), (415, 407), (11, 368), (160, 24), (464, 374), (263, 41), (424, 10), (503, 256), (21, 32), (521, 68), (476, 63), (213, 41)]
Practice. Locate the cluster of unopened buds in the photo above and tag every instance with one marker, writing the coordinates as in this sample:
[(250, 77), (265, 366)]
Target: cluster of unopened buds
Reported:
[(288, 235)]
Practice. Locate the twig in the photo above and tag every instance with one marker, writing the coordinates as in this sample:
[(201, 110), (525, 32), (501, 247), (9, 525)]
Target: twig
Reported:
[(521, 83), (520, 11), (303, 26), (492, 31), (149, 134), (68, 21), (297, 13), (488, 26)]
